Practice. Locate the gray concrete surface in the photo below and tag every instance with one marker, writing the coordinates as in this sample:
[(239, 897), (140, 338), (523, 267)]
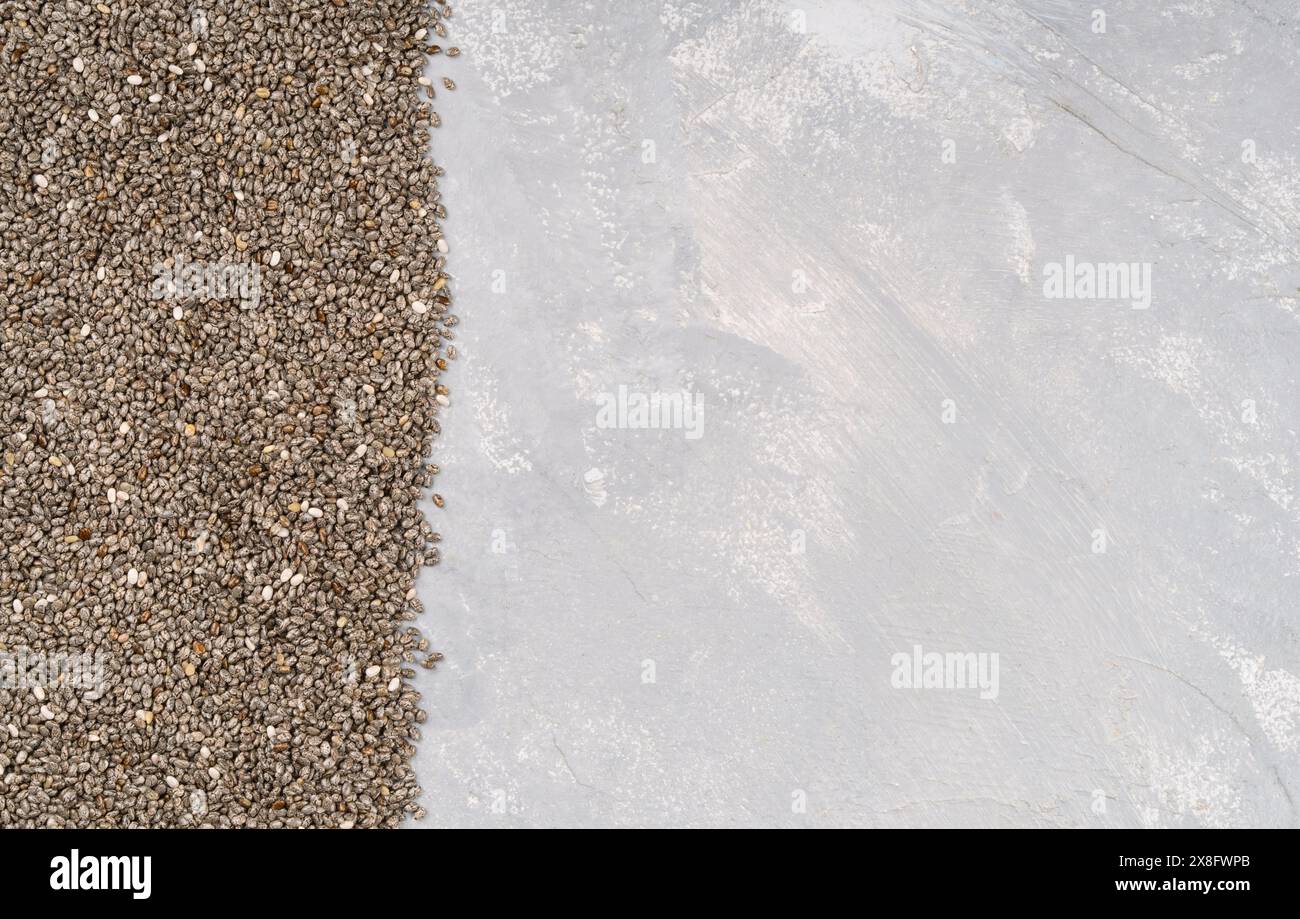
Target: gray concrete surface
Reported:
[(832, 222)]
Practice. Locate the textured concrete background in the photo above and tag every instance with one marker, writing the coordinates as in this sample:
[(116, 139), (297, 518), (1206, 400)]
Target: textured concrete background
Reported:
[(750, 200)]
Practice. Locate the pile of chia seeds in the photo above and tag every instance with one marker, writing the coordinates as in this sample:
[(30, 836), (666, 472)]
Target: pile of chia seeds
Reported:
[(223, 317)]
